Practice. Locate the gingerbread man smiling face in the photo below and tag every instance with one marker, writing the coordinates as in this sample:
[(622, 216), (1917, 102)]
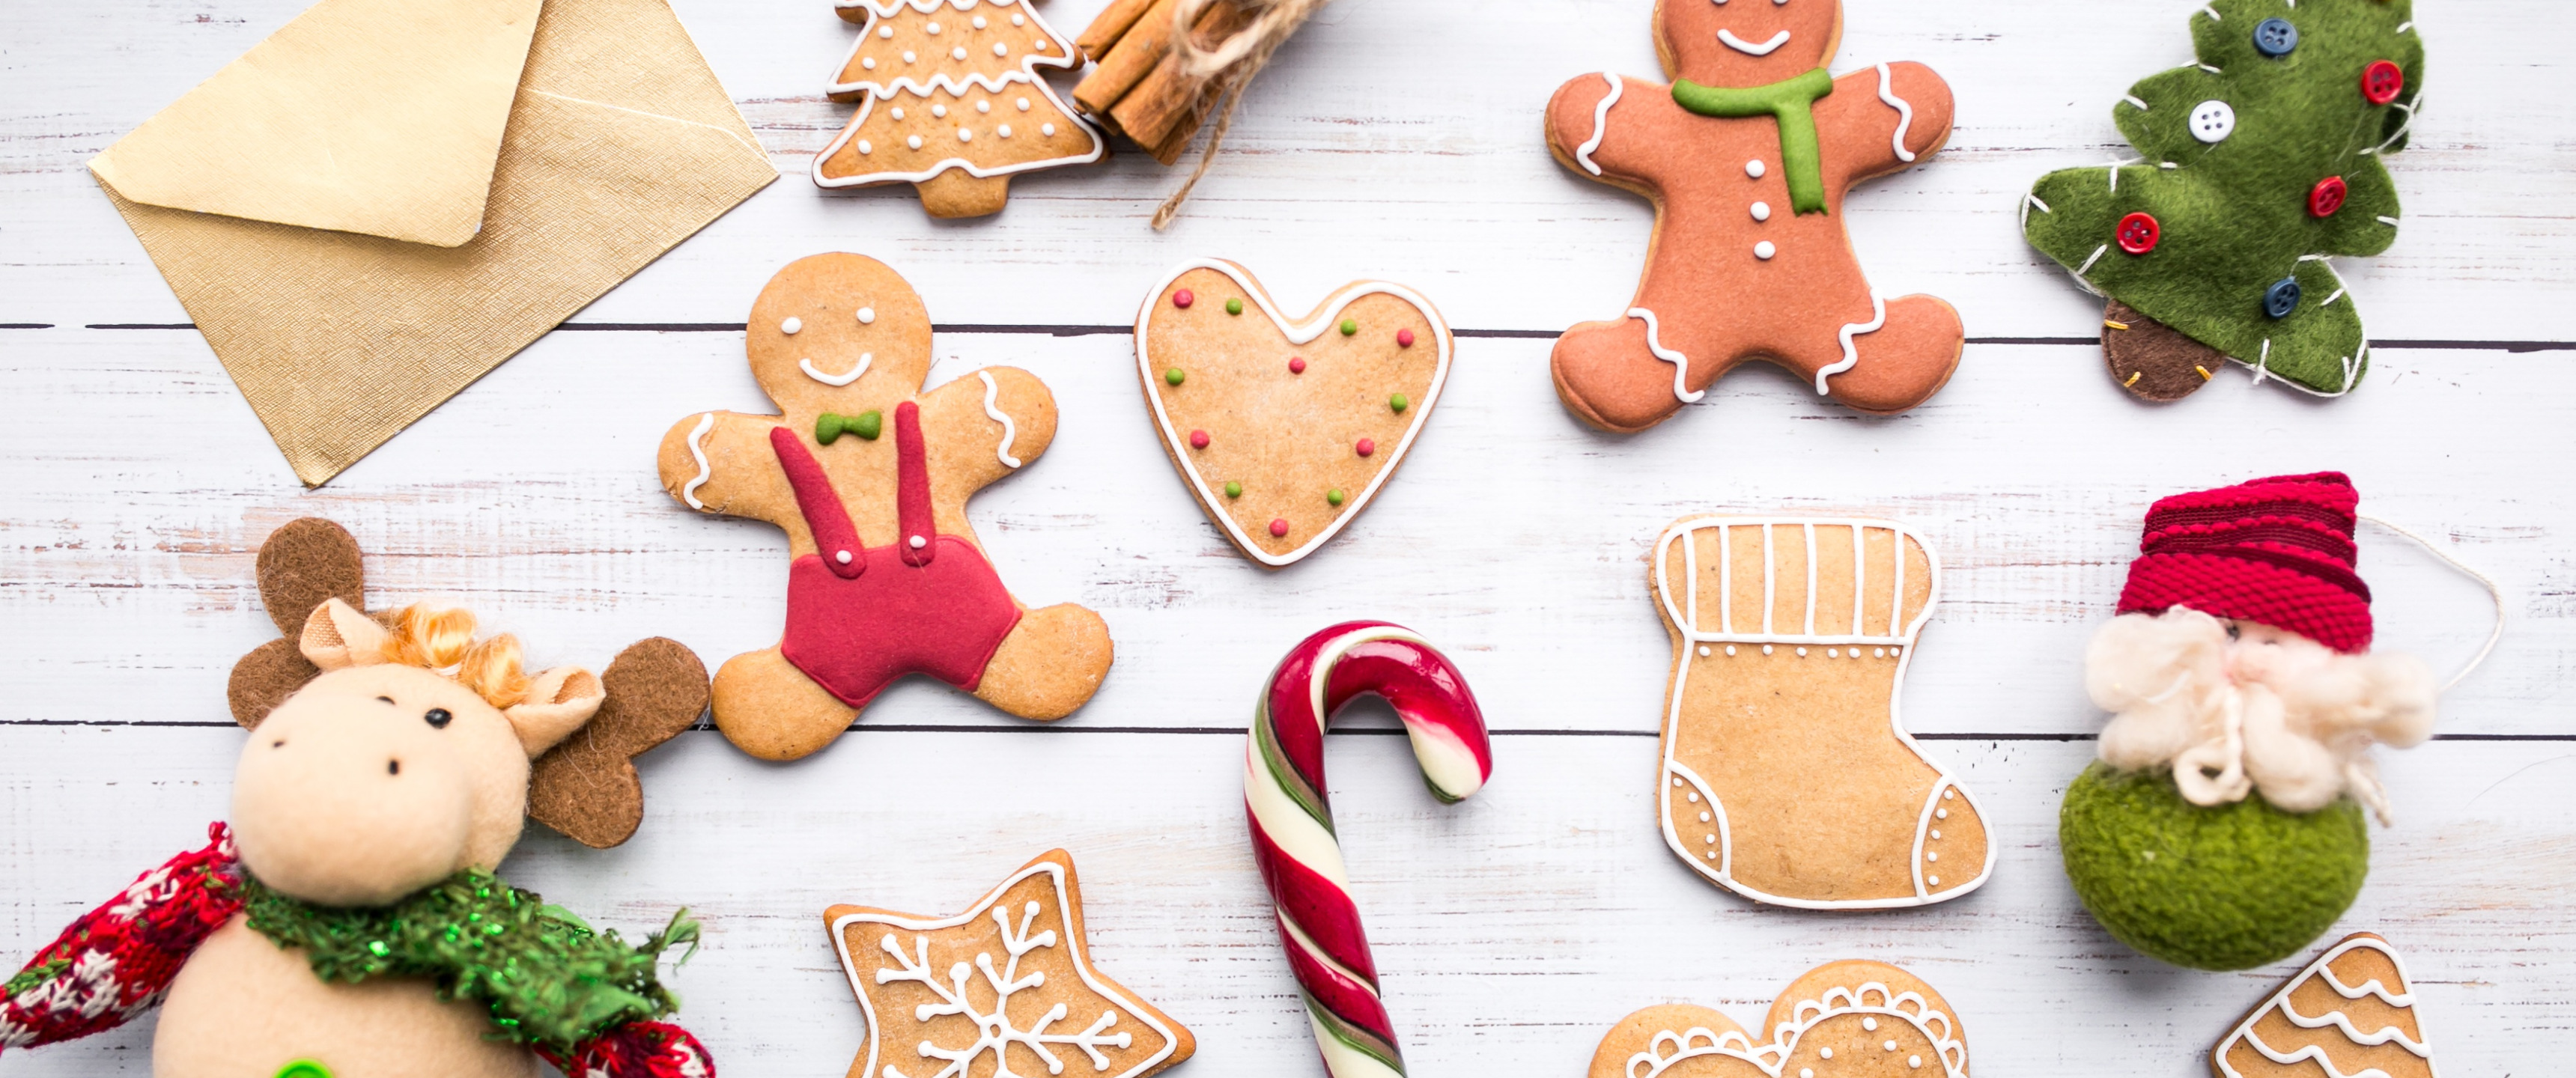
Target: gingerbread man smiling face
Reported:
[(1747, 155), (869, 478)]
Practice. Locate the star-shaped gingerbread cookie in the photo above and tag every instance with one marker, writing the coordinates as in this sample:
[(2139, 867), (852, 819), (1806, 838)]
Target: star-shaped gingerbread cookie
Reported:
[(1005, 988)]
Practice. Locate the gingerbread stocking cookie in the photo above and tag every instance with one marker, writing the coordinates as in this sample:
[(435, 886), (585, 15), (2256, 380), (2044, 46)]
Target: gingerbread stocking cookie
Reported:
[(1747, 155), (1787, 776), (869, 478)]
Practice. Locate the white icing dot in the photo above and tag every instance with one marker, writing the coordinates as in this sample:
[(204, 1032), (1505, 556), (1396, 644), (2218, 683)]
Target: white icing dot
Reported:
[(1677, 782), (1004, 131), (1824, 1053), (964, 135), (933, 28), (1024, 104), (1869, 1023), (1933, 880), (842, 556), (1764, 250), (939, 112), (919, 542), (1894, 652), (1806, 1072), (1934, 855), (1766, 649), (1730, 649), (1711, 855), (983, 106), (791, 325), (865, 149), (1047, 129), (979, 22), (1694, 795), (867, 316), (1038, 46), (1890, 1046), (908, 57), (1878, 652), (1703, 817), (958, 53), (914, 142), (885, 31), (1709, 839), (1000, 49), (1703, 651), (868, 62), (1936, 834), (1753, 168), (898, 112), (1940, 814), (1761, 211), (1832, 654), (1948, 794), (1915, 1062), (1017, 20), (1802, 653)]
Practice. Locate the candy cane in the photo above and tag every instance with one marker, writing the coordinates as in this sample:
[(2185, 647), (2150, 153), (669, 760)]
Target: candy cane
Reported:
[(1292, 823)]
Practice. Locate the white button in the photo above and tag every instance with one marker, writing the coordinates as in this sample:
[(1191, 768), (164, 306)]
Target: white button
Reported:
[(843, 557), (1752, 168), (1764, 250), (919, 542), (2212, 121), (790, 326), (1761, 211), (867, 315)]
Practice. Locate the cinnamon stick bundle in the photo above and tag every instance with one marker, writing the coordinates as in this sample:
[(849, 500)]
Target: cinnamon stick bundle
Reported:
[(1140, 86)]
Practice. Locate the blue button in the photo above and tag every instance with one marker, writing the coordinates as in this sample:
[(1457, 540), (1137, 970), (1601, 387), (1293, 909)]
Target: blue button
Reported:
[(2275, 37), (2282, 298)]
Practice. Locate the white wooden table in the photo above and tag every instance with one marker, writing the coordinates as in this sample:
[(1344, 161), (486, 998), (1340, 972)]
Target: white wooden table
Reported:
[(1396, 139)]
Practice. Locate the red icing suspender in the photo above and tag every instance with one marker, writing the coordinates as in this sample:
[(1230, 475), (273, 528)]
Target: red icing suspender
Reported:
[(836, 540), (919, 540)]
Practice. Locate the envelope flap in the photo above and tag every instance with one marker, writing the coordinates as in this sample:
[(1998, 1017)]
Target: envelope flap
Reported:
[(382, 117)]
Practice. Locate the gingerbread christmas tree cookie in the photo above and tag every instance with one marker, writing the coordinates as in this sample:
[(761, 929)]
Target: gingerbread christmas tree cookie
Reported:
[(1788, 776), (1005, 988), (2349, 1013), (1747, 155), (869, 478), (950, 101), (1848, 1019), (1285, 429)]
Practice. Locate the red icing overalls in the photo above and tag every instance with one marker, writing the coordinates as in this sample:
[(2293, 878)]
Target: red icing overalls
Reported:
[(858, 618)]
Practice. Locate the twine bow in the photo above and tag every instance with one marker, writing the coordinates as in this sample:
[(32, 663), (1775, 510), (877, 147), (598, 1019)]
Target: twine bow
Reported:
[(1231, 63), (830, 426)]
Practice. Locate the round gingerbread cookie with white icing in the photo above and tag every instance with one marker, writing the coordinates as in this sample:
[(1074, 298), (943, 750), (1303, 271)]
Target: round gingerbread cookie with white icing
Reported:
[(1747, 155), (869, 477), (1847, 1019)]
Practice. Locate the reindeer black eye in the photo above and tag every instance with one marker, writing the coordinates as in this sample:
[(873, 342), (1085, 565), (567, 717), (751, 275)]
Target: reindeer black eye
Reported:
[(393, 767), (384, 699), (2234, 632), (437, 718)]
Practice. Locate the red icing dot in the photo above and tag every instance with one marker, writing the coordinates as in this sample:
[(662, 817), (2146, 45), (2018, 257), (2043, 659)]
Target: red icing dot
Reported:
[(1296, 364), (1183, 299), (1279, 528), (1366, 447), (2327, 196), (1198, 439), (1404, 338)]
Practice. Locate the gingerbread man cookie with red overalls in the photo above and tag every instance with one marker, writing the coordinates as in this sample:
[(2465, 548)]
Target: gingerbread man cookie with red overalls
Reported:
[(869, 478), (1747, 155)]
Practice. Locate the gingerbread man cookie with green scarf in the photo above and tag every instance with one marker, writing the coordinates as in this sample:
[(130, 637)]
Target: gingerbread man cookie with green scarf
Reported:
[(1747, 155)]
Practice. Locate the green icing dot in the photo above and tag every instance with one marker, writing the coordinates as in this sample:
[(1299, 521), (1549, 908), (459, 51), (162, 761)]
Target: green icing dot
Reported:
[(304, 1068), (1398, 402), (1334, 495), (1234, 490), (1234, 306), (1350, 326), (1173, 376)]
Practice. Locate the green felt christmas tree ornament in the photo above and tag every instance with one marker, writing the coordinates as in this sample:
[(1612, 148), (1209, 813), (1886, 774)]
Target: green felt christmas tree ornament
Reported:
[(2223, 826), (2256, 164)]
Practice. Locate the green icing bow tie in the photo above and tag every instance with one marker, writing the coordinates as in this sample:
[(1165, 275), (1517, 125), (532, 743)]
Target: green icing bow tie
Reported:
[(831, 426), (1791, 101)]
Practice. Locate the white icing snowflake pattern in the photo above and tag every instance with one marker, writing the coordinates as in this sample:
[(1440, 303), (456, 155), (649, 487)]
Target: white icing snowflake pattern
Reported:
[(994, 1028)]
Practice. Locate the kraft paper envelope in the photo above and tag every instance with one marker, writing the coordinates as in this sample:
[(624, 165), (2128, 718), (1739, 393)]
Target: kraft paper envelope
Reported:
[(387, 198)]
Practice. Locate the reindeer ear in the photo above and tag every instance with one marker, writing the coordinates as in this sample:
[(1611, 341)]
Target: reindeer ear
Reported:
[(338, 635), (587, 787), (559, 701)]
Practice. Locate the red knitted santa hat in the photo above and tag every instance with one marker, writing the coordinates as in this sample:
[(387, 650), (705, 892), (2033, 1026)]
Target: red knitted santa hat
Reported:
[(2277, 551)]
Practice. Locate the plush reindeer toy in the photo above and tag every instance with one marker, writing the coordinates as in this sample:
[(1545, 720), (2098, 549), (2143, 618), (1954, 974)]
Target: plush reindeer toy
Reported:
[(347, 923)]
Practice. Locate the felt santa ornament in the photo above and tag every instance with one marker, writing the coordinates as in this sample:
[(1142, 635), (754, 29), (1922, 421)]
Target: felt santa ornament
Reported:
[(2222, 827)]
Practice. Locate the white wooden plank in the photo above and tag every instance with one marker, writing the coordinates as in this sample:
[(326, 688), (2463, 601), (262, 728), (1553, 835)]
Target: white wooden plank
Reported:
[(1511, 930)]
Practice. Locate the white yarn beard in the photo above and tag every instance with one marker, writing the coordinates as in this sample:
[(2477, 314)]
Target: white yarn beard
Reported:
[(2266, 710)]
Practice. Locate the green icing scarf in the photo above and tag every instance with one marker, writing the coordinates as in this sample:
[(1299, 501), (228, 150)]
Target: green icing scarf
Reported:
[(1789, 101), (549, 980)]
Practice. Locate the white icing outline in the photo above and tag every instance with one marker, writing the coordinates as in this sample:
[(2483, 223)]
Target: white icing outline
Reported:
[(1600, 124), (1904, 112), (992, 393), (1851, 354), (837, 380), (1684, 617), (1076, 947), (1773, 1058), (1326, 315), (1063, 55), (1680, 362), (2322, 968), (1750, 49), (689, 490)]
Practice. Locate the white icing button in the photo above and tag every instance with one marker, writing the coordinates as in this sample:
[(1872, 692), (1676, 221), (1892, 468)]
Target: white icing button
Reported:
[(1038, 45), (1890, 1046), (983, 106), (791, 325), (1936, 834), (1948, 794), (1709, 839), (964, 135), (1915, 1062), (1694, 796), (1766, 649), (1677, 782), (2213, 121), (1703, 651), (1940, 814), (939, 112), (1824, 1053), (898, 112), (867, 316), (1019, 20), (1730, 649), (1932, 856), (1004, 131), (1047, 129), (1869, 1023), (865, 149), (908, 57), (868, 62), (1932, 880), (1831, 654), (914, 142), (1754, 168), (1761, 211), (933, 28), (958, 53), (843, 557), (885, 31), (1878, 652), (1764, 250), (1024, 104), (979, 22), (919, 542), (1806, 1072), (1802, 653), (1703, 817), (1894, 652), (1711, 855), (1000, 49)]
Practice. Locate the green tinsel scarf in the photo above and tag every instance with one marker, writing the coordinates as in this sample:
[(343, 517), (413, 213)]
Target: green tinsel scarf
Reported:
[(549, 979)]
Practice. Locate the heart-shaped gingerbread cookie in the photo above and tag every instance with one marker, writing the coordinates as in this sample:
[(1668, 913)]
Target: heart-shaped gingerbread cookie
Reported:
[(1285, 429), (1848, 1019)]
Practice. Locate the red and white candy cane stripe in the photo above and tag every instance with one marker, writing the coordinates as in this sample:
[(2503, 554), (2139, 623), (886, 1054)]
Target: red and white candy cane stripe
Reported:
[(1292, 821), (118, 960)]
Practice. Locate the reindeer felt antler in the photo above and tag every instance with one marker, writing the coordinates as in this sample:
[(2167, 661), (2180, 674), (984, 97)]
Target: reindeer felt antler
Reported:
[(586, 786)]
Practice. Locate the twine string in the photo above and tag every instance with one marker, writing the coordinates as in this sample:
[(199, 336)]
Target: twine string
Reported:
[(1230, 64), (2494, 593)]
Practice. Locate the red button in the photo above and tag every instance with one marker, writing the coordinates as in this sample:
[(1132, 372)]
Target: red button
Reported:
[(2327, 197), (2381, 81), (2138, 233)]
